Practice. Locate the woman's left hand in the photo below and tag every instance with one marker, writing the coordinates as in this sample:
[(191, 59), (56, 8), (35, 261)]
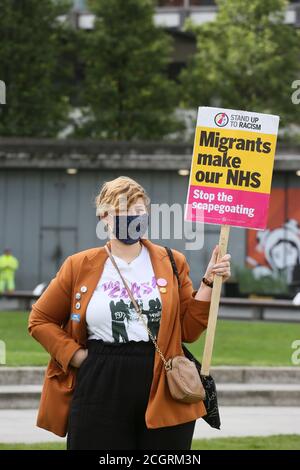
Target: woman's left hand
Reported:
[(219, 268)]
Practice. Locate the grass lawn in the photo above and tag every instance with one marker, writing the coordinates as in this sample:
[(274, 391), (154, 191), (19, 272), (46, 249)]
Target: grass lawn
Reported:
[(251, 343), (280, 442), (236, 342)]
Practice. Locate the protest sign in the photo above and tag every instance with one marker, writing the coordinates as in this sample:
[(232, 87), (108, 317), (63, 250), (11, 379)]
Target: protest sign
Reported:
[(232, 165)]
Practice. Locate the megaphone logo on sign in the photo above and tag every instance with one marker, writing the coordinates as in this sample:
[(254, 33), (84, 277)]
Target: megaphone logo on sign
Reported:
[(221, 119)]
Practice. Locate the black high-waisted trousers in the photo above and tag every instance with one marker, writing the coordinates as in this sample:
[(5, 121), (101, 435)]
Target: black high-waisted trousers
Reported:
[(110, 400)]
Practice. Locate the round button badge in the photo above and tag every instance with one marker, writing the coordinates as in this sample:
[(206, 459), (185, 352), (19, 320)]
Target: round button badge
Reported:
[(161, 282)]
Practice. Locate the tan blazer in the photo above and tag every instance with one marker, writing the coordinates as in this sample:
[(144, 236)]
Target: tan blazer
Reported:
[(183, 318)]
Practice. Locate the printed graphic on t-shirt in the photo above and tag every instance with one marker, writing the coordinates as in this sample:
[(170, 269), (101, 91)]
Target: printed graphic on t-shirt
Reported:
[(111, 315), (124, 315), (116, 289)]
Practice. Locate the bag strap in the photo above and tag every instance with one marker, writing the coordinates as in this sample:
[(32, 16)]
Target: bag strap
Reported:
[(173, 263), (167, 364)]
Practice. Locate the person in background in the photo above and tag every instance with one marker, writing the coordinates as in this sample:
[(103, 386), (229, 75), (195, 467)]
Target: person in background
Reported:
[(8, 266)]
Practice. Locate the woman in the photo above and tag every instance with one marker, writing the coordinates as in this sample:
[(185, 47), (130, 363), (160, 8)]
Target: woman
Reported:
[(105, 384)]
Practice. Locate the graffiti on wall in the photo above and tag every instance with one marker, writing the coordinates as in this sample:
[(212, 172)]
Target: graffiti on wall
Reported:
[(276, 251)]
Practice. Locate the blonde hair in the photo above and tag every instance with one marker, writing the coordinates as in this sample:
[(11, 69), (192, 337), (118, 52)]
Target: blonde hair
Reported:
[(110, 192)]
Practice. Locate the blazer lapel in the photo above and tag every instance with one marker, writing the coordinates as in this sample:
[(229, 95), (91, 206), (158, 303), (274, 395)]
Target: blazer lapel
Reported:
[(89, 274)]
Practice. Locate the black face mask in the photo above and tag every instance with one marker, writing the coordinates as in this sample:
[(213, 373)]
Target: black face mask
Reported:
[(130, 228)]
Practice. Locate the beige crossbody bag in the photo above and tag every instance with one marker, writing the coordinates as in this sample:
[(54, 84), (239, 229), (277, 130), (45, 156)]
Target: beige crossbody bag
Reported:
[(182, 376)]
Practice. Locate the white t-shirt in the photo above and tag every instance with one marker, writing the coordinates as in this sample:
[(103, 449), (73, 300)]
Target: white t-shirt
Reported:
[(111, 315)]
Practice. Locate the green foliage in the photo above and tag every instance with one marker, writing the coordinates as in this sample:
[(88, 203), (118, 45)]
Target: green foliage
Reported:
[(249, 284), (32, 44), (246, 59), (127, 93)]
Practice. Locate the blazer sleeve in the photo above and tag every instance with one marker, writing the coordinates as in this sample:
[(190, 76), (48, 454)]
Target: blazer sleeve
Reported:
[(50, 313), (193, 313)]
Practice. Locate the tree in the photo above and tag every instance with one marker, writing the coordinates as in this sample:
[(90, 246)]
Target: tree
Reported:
[(31, 47), (126, 89), (246, 59)]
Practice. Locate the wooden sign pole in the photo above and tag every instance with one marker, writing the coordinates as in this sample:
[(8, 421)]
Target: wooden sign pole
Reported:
[(214, 306)]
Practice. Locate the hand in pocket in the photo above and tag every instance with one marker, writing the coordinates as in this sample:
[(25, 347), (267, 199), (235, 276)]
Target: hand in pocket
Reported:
[(79, 357)]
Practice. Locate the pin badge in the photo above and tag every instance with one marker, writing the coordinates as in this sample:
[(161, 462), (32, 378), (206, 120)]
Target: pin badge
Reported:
[(78, 296), (162, 282), (77, 306), (75, 317), (163, 290), (83, 288)]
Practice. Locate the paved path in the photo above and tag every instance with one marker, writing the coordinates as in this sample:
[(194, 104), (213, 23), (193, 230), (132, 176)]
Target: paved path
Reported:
[(19, 425), (252, 421)]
